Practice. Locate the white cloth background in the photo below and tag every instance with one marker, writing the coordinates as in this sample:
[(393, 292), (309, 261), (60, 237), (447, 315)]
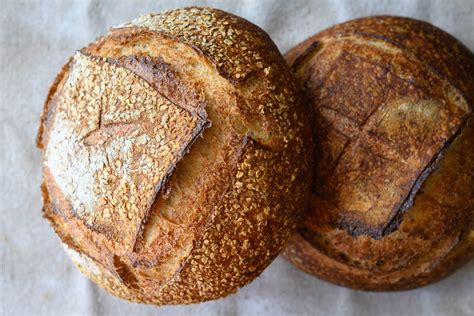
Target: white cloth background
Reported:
[(37, 278)]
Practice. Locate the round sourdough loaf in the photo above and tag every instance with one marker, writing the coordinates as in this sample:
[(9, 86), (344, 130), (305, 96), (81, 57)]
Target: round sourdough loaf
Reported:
[(169, 156), (393, 196)]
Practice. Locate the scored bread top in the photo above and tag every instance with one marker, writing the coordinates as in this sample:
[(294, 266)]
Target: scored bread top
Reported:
[(438, 50), (142, 134), (388, 109), (230, 44), (236, 48), (145, 206), (392, 200)]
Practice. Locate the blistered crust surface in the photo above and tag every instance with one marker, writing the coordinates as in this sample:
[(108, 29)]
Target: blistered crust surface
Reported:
[(392, 203)]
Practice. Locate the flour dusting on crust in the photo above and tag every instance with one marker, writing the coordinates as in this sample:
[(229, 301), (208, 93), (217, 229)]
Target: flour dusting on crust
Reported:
[(113, 143)]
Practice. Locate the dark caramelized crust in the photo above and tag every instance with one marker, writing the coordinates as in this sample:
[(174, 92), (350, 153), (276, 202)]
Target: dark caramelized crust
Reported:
[(169, 148), (392, 201)]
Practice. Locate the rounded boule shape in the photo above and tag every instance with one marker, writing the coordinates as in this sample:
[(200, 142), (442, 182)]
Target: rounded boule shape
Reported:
[(169, 148), (392, 196)]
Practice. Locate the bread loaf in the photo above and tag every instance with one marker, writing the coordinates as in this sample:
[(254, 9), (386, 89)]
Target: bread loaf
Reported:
[(169, 148), (393, 197)]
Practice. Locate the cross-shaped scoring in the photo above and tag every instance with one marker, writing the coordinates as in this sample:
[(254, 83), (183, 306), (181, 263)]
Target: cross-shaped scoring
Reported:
[(380, 127)]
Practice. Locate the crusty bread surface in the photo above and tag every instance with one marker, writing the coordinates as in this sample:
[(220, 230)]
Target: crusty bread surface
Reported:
[(169, 156), (392, 197)]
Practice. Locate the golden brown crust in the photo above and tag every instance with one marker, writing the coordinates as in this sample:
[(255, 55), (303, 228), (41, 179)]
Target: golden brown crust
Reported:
[(240, 51), (160, 75), (435, 48), (234, 45), (392, 204), (224, 204), (47, 113)]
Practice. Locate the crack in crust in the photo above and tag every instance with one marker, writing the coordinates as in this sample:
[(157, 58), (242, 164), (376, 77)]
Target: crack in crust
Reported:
[(224, 212), (86, 160), (369, 120), (430, 234), (161, 76), (429, 169)]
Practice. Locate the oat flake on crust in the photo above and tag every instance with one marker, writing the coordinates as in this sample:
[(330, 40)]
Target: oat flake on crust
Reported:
[(113, 143)]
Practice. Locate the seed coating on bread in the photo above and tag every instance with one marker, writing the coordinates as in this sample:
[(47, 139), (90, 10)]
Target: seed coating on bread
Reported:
[(169, 149), (392, 199)]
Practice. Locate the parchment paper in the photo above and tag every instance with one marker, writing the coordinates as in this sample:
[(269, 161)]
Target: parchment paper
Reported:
[(37, 278)]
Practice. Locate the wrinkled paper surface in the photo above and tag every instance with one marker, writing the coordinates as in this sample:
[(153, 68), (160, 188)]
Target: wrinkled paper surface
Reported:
[(37, 278)]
